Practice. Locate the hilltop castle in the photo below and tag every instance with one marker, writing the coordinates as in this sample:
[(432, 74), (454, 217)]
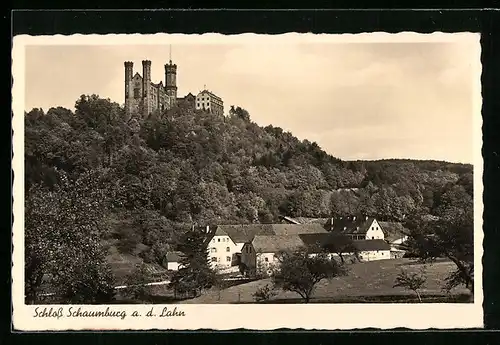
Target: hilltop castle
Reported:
[(143, 97)]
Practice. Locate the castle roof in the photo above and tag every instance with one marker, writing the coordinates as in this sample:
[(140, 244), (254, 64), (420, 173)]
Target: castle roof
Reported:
[(211, 94)]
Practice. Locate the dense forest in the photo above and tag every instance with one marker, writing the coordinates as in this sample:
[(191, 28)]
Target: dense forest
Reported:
[(94, 176)]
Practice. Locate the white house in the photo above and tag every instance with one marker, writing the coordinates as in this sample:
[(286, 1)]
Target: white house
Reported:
[(259, 255), (371, 250), (225, 247), (173, 260), (357, 227), (396, 235)]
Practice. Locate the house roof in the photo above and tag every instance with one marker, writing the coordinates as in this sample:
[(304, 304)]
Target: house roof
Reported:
[(173, 256), (329, 241), (277, 243), (368, 245), (242, 233), (298, 229), (304, 220), (393, 230), (352, 224)]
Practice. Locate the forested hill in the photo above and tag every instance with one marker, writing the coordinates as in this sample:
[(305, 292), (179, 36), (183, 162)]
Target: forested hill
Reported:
[(183, 167)]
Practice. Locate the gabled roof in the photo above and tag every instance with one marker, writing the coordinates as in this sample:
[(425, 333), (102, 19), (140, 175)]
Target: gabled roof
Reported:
[(137, 75), (369, 245), (211, 94), (277, 243), (393, 230), (298, 229), (173, 256), (329, 241), (242, 233), (352, 224), (304, 220)]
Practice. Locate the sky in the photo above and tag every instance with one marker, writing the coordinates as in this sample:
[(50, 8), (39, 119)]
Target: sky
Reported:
[(356, 100)]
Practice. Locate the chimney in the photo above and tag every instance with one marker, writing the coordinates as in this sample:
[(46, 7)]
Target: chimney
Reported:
[(353, 218), (366, 218)]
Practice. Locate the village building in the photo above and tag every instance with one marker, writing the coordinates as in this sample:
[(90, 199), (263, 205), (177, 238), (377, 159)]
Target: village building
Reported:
[(261, 254), (357, 227), (228, 240), (396, 235), (173, 260), (225, 247)]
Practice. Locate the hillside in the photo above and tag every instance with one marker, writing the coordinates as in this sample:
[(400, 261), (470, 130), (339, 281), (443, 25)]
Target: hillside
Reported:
[(162, 174)]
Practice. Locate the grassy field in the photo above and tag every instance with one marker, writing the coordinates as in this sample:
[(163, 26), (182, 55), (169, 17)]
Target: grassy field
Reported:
[(367, 282)]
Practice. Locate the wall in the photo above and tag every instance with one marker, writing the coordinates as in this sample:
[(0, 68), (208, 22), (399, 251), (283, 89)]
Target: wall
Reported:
[(375, 255), (136, 92), (374, 232), (248, 256), (217, 249), (265, 263), (174, 266)]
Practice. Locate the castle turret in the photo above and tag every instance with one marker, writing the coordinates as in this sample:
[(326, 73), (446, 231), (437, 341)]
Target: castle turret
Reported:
[(146, 87), (171, 80), (129, 70)]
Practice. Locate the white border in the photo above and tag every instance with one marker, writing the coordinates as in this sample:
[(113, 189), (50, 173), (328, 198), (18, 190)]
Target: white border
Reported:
[(252, 316)]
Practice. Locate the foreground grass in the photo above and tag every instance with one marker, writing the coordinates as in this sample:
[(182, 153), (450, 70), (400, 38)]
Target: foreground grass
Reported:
[(367, 282)]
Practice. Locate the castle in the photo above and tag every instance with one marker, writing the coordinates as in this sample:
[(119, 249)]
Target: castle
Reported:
[(143, 97)]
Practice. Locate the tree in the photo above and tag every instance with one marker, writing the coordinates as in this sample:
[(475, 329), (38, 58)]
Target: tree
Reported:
[(195, 273), (299, 272), (413, 281), (136, 283), (62, 242), (451, 237), (265, 293)]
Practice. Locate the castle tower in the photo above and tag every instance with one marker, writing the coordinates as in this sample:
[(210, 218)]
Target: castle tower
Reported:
[(146, 87), (171, 79), (129, 70)]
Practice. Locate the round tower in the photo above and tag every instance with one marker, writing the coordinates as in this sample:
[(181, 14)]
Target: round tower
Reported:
[(129, 70), (171, 80), (146, 87)]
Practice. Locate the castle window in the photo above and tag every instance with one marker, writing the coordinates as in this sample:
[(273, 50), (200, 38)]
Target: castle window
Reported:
[(228, 258), (137, 93), (228, 249)]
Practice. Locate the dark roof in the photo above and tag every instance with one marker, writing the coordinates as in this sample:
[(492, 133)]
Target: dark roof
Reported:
[(329, 241), (173, 256), (352, 224), (277, 243), (393, 230), (242, 233), (368, 245), (211, 94), (298, 229), (304, 220)]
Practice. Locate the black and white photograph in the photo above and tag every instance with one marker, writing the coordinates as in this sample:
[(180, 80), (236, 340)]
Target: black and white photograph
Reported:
[(246, 172)]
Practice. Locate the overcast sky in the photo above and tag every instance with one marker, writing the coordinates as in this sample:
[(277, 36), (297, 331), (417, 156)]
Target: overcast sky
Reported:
[(356, 100)]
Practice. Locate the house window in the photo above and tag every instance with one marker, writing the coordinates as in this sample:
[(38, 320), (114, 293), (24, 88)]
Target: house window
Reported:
[(137, 93), (214, 259), (218, 240), (228, 258), (214, 250), (228, 249), (373, 238)]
